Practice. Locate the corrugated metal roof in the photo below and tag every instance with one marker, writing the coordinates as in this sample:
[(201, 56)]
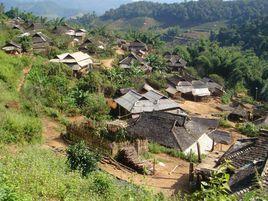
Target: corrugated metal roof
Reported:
[(171, 90), (154, 96), (153, 101), (201, 92), (128, 100), (80, 58)]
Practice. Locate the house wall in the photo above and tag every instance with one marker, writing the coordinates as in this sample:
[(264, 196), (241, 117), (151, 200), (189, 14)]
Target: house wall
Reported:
[(85, 131), (205, 143)]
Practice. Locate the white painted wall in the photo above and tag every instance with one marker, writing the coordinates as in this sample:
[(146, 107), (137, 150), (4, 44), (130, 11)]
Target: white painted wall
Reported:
[(205, 143)]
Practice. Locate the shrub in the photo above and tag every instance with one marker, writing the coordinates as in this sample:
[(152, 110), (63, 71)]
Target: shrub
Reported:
[(224, 123), (226, 98), (249, 129), (80, 158), (217, 188), (157, 80), (103, 185), (217, 79), (17, 127), (51, 85), (95, 107), (6, 192)]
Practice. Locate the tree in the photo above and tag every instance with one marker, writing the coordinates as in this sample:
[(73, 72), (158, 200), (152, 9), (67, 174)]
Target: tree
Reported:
[(95, 107), (217, 188), (2, 9), (80, 158), (26, 43), (157, 62)]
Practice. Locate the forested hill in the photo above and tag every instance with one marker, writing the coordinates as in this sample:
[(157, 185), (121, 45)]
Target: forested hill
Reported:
[(190, 13), (252, 34)]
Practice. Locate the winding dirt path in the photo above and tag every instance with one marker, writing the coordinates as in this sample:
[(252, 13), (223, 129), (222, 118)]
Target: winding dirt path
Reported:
[(26, 71), (171, 175), (107, 63), (51, 133)]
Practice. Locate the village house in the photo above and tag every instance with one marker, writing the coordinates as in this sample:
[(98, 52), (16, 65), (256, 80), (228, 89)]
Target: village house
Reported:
[(248, 165), (214, 88), (133, 103), (249, 158), (175, 131), (18, 27), (134, 60), (79, 62), (40, 42), (12, 48), (33, 26), (121, 43), (188, 88), (90, 46), (137, 46), (200, 91), (238, 114), (262, 122), (78, 34), (175, 62), (61, 29)]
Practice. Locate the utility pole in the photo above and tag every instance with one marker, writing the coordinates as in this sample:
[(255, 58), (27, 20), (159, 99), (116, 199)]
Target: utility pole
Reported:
[(256, 94)]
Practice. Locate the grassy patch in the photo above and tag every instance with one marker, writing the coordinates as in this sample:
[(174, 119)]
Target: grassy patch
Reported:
[(157, 149), (38, 174)]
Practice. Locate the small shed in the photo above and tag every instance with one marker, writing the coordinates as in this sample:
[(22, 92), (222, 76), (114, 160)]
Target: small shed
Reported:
[(239, 114), (33, 26), (137, 45), (12, 48), (133, 59), (175, 62), (40, 42)]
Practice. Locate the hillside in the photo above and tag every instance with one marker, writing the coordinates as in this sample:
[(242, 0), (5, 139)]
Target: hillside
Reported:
[(135, 108), (190, 13), (50, 9), (67, 8)]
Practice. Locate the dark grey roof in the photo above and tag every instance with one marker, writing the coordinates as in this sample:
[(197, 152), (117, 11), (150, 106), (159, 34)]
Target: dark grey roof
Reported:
[(174, 60), (175, 79), (132, 56), (239, 111), (171, 130), (35, 26), (137, 44), (262, 121), (198, 84), (247, 156), (221, 137), (212, 85), (42, 36), (61, 29), (12, 43)]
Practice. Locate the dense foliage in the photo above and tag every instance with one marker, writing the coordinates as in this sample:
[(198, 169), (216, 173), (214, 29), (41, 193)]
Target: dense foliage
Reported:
[(236, 67), (80, 158), (252, 34), (190, 13)]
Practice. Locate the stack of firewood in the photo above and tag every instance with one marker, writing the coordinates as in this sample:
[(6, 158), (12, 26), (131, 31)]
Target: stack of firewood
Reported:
[(129, 157)]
